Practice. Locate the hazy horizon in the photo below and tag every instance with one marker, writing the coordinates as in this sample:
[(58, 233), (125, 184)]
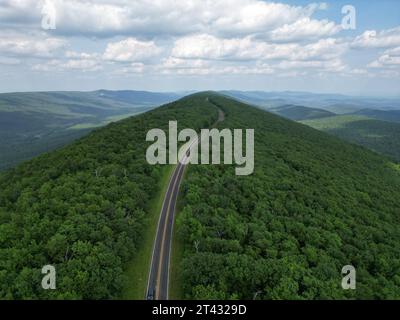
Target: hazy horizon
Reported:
[(191, 91)]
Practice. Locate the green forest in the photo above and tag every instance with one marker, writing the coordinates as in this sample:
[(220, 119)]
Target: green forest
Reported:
[(378, 135), (314, 204), (83, 208), (32, 123)]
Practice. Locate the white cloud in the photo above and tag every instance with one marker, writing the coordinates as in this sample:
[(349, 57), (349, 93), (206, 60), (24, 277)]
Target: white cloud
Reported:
[(19, 11), (191, 37), (81, 55), (334, 65), (83, 65), (177, 63), (389, 59), (373, 39), (244, 17), (305, 29), (209, 47), (131, 50), (29, 45), (133, 68), (161, 17), (219, 70), (72, 60), (68, 65), (206, 46)]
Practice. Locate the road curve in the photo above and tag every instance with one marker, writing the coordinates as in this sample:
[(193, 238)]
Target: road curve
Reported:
[(158, 279)]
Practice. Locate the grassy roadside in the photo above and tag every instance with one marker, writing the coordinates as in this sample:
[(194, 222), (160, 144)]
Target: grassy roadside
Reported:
[(137, 270), (175, 283)]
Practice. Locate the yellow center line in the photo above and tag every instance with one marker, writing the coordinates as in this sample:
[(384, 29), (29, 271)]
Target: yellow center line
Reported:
[(165, 232), (178, 169)]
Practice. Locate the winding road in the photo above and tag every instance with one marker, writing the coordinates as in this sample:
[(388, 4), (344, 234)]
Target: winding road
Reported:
[(158, 279)]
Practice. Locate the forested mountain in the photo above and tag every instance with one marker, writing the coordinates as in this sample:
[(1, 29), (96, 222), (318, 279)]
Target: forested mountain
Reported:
[(378, 130), (313, 205), (386, 115), (35, 122), (300, 112), (83, 208), (377, 135)]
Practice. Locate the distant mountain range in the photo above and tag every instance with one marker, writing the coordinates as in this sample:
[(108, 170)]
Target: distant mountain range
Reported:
[(331, 102), (386, 115), (35, 122), (301, 113)]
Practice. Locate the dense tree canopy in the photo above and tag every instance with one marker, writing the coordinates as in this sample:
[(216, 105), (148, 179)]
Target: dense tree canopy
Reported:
[(313, 205), (83, 208)]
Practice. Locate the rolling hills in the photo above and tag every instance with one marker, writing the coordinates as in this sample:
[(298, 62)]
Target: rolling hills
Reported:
[(35, 122), (377, 130), (336, 103), (313, 204), (380, 136), (297, 113), (385, 115)]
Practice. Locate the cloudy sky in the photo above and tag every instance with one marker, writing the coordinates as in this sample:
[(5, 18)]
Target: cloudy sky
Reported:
[(174, 45)]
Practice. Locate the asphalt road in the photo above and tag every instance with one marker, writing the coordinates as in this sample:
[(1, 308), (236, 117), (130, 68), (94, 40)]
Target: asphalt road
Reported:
[(158, 279)]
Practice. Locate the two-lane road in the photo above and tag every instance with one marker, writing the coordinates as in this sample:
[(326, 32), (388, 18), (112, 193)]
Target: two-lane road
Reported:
[(158, 280)]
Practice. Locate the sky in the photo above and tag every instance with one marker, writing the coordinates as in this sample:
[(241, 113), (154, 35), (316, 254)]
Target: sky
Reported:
[(348, 47)]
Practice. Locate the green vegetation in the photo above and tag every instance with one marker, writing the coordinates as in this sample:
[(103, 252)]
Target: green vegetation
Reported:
[(138, 268), (386, 115), (377, 135), (175, 283), (314, 204), (301, 113), (84, 208), (35, 122), (337, 122)]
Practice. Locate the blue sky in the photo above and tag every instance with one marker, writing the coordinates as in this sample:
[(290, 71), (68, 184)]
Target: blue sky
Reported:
[(169, 45)]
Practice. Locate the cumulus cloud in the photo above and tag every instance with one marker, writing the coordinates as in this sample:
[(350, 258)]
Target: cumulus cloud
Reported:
[(374, 39), (335, 65), (72, 60), (389, 59), (219, 70), (106, 18), (210, 47), (133, 68), (83, 65), (81, 55), (131, 50), (29, 45), (305, 29), (192, 37), (205, 46), (19, 11)]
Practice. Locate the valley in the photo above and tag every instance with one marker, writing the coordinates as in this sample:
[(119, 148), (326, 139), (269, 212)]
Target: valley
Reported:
[(35, 122)]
